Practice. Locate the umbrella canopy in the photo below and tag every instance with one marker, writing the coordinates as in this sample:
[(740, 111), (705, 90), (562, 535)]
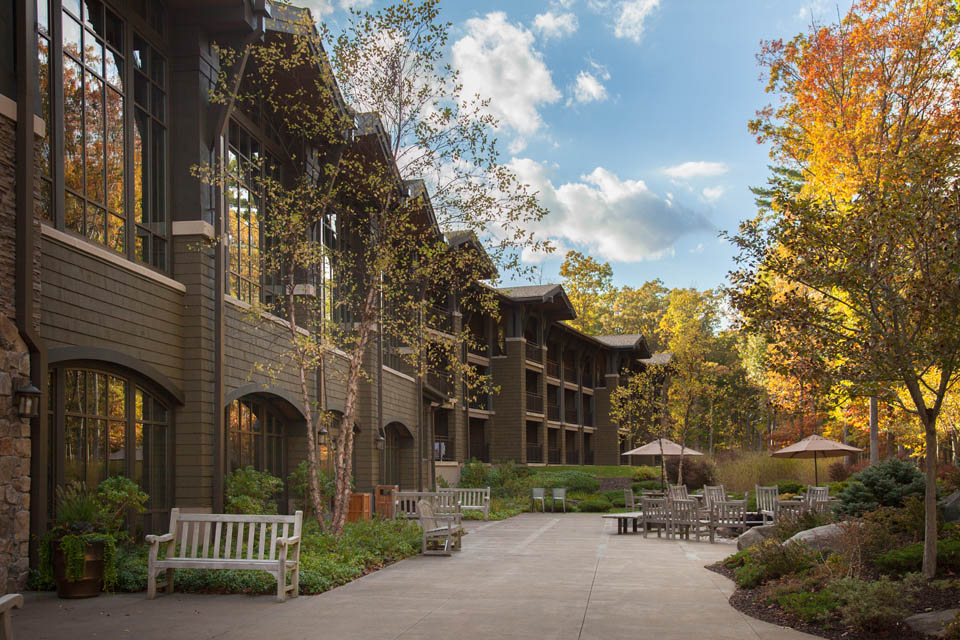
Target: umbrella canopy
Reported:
[(670, 448), (816, 447)]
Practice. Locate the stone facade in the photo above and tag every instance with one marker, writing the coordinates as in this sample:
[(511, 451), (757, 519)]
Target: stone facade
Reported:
[(14, 462)]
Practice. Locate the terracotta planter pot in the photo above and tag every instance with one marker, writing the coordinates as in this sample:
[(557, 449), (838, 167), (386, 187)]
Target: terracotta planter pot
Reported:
[(91, 584)]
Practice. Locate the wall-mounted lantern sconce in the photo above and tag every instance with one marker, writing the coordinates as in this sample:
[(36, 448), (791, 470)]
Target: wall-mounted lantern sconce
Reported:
[(381, 442), (28, 401)]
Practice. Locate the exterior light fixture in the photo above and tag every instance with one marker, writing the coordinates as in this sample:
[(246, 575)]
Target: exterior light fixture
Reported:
[(381, 442), (28, 401)]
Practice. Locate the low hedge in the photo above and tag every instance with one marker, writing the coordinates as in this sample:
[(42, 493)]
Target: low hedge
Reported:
[(594, 504), (909, 559)]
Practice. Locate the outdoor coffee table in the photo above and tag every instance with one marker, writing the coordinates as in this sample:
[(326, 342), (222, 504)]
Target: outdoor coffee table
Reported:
[(623, 520)]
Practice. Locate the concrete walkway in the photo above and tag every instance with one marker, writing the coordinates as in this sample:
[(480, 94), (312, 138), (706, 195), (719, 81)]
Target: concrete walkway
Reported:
[(533, 576)]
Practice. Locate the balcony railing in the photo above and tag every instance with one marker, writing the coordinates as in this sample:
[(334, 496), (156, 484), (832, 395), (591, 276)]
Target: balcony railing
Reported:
[(482, 402), (553, 411), (570, 415), (534, 453), (480, 348), (534, 402), (573, 456), (553, 369), (437, 381), (439, 319), (480, 451), (553, 456), (588, 418), (443, 449), (588, 457), (533, 352), (570, 374)]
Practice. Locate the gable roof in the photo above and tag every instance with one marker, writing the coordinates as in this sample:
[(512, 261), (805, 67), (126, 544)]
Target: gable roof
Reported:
[(467, 240), (551, 295), (622, 340)]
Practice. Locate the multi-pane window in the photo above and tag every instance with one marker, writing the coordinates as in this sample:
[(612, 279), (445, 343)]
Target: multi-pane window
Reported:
[(245, 164), (113, 127), (91, 412), (93, 115), (149, 153), (256, 437)]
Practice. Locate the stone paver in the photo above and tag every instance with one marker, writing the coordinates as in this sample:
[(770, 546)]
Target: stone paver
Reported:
[(533, 576)]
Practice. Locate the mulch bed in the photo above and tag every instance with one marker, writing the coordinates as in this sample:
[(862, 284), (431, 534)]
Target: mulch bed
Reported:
[(609, 484), (751, 603)]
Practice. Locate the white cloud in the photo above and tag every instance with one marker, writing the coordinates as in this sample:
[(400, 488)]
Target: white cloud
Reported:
[(563, 4), (555, 25), (712, 194), (697, 249), (599, 69), (631, 15), (321, 8), (697, 169), (497, 60), (517, 145), (614, 219), (531, 256), (588, 89)]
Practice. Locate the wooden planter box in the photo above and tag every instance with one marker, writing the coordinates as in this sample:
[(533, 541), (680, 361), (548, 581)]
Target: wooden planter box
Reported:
[(386, 495), (359, 507)]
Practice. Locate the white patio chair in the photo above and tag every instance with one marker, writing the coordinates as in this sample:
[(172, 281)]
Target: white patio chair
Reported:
[(559, 493), (539, 493), (768, 499)]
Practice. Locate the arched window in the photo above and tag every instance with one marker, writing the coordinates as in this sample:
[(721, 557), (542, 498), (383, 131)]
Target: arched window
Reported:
[(108, 423), (256, 436)]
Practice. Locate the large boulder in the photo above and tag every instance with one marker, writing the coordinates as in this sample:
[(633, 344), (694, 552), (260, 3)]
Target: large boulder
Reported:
[(932, 623), (754, 536), (951, 507), (826, 538)]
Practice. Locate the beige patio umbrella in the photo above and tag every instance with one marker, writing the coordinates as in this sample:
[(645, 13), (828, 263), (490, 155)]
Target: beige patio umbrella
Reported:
[(816, 447), (670, 449)]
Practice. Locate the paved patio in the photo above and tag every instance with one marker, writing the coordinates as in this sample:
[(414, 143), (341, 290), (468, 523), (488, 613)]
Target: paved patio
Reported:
[(533, 576)]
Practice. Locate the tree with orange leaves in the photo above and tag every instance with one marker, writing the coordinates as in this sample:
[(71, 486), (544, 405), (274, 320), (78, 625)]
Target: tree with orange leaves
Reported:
[(861, 227)]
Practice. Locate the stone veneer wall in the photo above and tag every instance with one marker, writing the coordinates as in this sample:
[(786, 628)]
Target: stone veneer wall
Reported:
[(14, 462)]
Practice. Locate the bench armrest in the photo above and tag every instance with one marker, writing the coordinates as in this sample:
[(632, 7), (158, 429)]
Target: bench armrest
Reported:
[(10, 601), (286, 542), (167, 537)]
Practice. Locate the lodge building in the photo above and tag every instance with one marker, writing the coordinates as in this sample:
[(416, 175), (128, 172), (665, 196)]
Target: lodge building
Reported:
[(118, 304)]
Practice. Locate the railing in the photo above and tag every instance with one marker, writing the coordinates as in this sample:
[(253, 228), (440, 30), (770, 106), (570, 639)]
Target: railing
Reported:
[(443, 449), (553, 411), (534, 402), (534, 453), (570, 415), (553, 456), (588, 457), (573, 456), (553, 369), (479, 349), (533, 352), (480, 451), (481, 402), (570, 373), (439, 319), (587, 381), (588, 418), (437, 381)]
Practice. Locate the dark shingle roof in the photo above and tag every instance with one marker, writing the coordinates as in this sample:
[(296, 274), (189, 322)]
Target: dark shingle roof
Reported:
[(524, 292), (621, 340)]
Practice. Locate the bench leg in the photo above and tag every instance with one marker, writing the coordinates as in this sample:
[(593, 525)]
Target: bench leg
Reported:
[(282, 574)]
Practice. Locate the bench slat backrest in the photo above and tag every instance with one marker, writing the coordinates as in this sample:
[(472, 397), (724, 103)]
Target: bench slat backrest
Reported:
[(405, 503), (227, 536), (469, 497)]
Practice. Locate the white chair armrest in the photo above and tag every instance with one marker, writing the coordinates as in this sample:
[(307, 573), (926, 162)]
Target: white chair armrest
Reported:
[(286, 542), (167, 537), (10, 601)]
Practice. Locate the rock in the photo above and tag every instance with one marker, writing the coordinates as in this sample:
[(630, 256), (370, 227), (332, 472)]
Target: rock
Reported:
[(951, 507), (932, 623), (825, 538), (754, 536)]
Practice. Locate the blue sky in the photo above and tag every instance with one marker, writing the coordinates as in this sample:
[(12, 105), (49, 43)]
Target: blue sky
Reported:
[(629, 116)]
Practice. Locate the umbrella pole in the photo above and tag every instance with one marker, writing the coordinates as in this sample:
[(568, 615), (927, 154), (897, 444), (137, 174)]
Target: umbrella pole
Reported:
[(816, 476)]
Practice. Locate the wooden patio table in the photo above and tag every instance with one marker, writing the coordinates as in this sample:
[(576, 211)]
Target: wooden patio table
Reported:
[(623, 520)]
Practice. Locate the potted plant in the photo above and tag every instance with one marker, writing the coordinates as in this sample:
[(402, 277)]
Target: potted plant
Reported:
[(78, 553)]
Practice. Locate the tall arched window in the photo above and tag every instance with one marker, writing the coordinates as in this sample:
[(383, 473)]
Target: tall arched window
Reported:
[(256, 436), (108, 423)]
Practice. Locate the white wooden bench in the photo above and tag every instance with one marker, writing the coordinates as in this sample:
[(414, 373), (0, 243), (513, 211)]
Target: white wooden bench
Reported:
[(444, 503), (472, 499), (228, 541), (441, 533), (7, 604)]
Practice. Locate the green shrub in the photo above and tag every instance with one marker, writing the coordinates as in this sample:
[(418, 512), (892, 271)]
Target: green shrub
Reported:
[(749, 575), (594, 504), (817, 606), (770, 560), (649, 485), (910, 558), (885, 484), (250, 491), (646, 473), (737, 559), (299, 483), (791, 487), (615, 497), (876, 605), (474, 475), (697, 472)]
